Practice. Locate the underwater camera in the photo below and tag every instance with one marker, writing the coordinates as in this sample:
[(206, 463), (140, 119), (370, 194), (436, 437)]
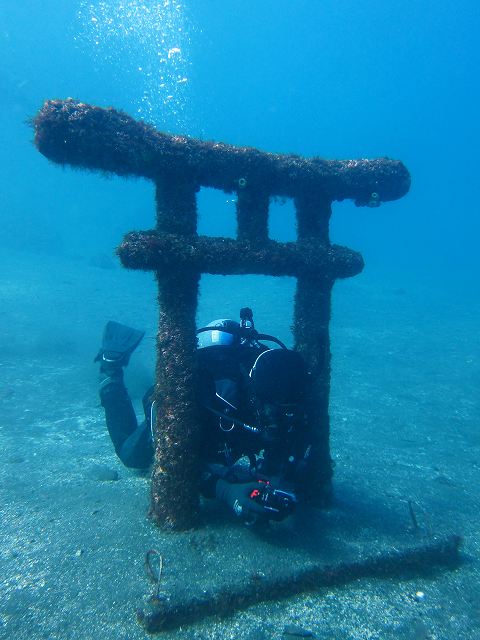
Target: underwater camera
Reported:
[(278, 504)]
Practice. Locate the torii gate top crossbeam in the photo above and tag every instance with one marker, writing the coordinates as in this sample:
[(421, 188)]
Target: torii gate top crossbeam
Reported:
[(78, 134)]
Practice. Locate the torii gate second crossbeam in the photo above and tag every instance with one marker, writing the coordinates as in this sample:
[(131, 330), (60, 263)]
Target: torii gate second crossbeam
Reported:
[(77, 134)]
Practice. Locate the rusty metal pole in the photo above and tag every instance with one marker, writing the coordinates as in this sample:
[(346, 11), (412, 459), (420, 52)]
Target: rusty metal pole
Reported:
[(175, 501)]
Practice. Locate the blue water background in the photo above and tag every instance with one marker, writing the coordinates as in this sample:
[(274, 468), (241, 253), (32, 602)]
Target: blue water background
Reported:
[(334, 78)]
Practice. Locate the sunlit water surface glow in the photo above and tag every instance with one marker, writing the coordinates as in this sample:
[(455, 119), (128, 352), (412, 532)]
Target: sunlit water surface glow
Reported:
[(146, 43)]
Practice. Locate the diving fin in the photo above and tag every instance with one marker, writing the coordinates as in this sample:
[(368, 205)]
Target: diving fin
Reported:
[(118, 343)]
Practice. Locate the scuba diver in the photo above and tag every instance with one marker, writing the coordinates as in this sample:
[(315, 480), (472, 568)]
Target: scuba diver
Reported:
[(255, 441)]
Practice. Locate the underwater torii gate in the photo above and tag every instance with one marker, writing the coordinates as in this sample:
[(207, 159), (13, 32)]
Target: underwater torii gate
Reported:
[(69, 132)]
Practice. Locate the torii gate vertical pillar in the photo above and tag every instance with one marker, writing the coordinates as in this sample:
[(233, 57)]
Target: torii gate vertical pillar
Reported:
[(174, 490), (312, 339)]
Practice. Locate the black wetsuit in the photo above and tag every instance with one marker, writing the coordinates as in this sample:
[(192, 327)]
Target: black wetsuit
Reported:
[(235, 425)]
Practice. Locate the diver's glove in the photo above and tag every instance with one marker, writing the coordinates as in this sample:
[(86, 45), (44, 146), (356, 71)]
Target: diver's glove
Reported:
[(237, 497)]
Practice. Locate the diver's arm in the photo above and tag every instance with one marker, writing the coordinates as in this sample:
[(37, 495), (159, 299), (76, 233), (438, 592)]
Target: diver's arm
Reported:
[(214, 471), (287, 468)]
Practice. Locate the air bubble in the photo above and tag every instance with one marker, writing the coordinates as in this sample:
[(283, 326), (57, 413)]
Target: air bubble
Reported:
[(126, 37)]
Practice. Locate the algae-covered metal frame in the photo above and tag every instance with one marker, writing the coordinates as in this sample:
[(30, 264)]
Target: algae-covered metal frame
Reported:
[(72, 133)]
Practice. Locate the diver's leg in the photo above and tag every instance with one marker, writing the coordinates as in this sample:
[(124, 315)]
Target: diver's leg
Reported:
[(137, 449), (132, 442), (119, 413)]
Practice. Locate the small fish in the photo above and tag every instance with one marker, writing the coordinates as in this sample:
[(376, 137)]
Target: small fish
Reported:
[(294, 631), (6, 393)]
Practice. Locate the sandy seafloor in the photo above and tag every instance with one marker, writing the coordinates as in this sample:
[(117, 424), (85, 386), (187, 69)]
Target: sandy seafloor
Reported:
[(405, 426)]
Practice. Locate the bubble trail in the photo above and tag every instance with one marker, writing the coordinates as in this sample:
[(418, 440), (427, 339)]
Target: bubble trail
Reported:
[(146, 44)]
